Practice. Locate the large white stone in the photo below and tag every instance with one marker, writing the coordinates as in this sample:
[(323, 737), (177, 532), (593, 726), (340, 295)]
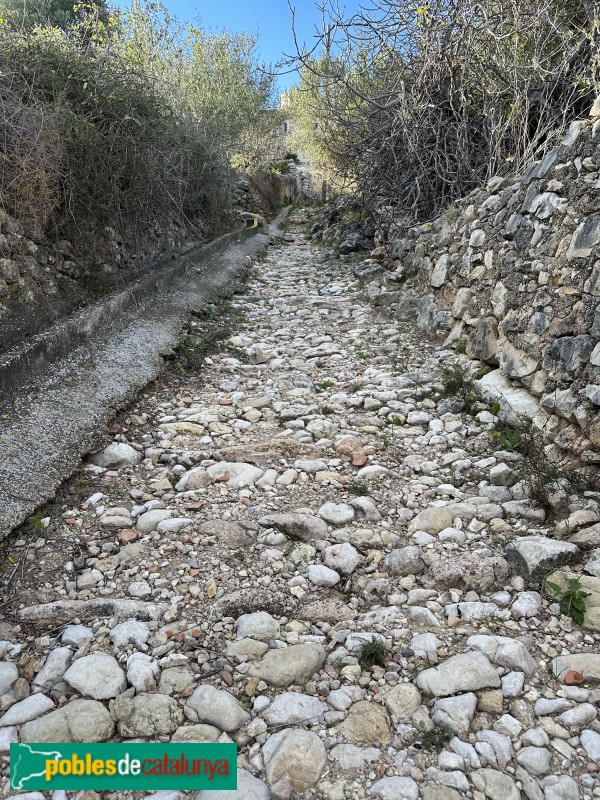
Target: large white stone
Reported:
[(98, 675), (216, 707), (466, 672), (115, 456), (293, 708), (297, 753)]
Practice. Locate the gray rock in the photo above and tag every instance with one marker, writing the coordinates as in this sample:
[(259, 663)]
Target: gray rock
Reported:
[(337, 514), (286, 666), (590, 741), (176, 680), (75, 635), (239, 475), (147, 716), (53, 670), (320, 575), (455, 713), (8, 736), (292, 708), (395, 789), (560, 787), (495, 785), (9, 673), (367, 723), (228, 533), (115, 456), (259, 625), (30, 708), (526, 604), (66, 610), (514, 655), (365, 509), (536, 556), (301, 526), (466, 672), (454, 780), (432, 520), (342, 557), (588, 538), (78, 721), (352, 758), (578, 717), (131, 632), (216, 707), (405, 561), (470, 571), (503, 475), (586, 663), (139, 589), (148, 522), (536, 760), (401, 701), (298, 754), (143, 672), (197, 733), (98, 675), (585, 238), (249, 788)]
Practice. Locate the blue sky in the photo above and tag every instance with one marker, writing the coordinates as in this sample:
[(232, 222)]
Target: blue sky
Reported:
[(271, 18)]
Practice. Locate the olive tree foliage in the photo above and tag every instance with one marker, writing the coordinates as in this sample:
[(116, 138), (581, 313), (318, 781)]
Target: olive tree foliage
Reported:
[(426, 100), (63, 14)]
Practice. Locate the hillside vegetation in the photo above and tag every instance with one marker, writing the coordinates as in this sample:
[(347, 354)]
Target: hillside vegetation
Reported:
[(124, 119), (416, 104)]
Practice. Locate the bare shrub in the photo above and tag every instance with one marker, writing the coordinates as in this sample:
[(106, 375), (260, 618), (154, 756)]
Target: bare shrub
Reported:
[(421, 104)]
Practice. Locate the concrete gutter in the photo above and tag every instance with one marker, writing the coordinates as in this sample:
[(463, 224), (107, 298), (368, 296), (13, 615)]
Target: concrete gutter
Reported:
[(59, 390)]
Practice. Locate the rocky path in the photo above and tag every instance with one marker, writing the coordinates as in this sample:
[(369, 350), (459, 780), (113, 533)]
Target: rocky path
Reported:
[(308, 548)]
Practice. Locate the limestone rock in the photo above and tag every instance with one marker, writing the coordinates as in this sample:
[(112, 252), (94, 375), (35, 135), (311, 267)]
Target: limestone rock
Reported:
[(366, 723), (115, 456), (296, 753), (78, 721), (536, 556), (216, 707), (286, 666), (466, 672)]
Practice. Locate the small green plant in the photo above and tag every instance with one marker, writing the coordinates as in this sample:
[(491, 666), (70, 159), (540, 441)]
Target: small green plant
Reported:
[(461, 346), (372, 654), (357, 489), (36, 521), (455, 477), (495, 407), (174, 480), (493, 623), (320, 364), (327, 411), (323, 385), (508, 438), (386, 442), (481, 370), (571, 599), (435, 739), (458, 382)]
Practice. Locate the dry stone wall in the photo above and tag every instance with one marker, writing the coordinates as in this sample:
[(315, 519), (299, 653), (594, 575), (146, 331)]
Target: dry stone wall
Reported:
[(512, 273)]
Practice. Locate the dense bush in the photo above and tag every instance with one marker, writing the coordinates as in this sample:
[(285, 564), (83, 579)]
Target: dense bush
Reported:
[(107, 118), (420, 103)]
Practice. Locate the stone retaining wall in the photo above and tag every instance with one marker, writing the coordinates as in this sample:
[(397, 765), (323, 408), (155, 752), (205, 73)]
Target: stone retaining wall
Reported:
[(512, 273)]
